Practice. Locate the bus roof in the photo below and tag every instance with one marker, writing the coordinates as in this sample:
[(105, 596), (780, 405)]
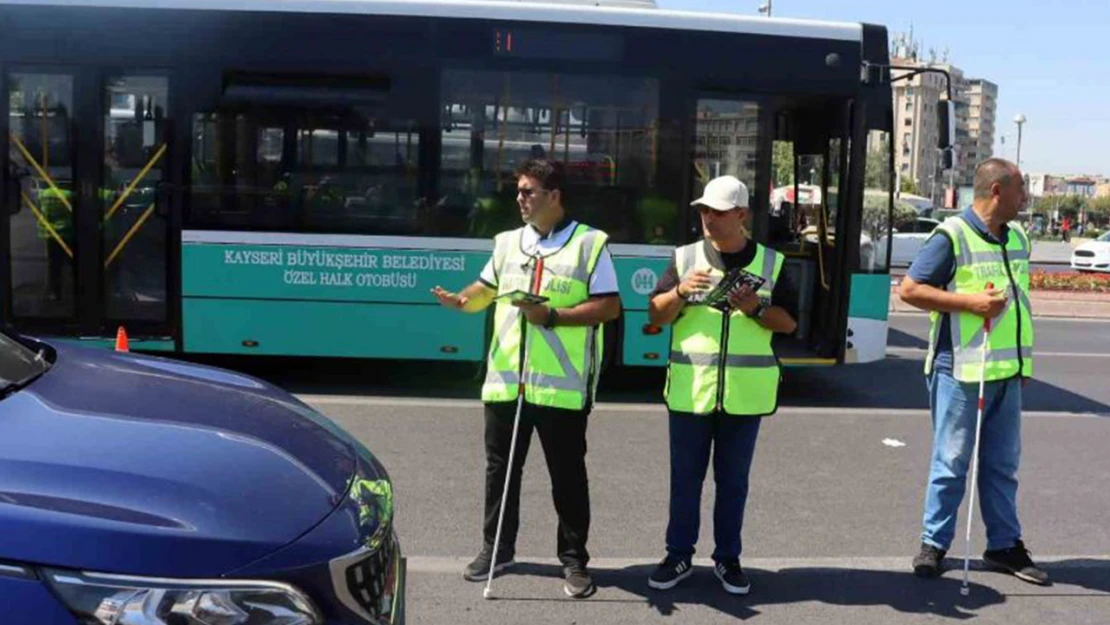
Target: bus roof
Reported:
[(600, 12)]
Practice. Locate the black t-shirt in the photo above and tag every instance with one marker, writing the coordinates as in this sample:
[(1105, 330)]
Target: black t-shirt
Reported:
[(785, 293)]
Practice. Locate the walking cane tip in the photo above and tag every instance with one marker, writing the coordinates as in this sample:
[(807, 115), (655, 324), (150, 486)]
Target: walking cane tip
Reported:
[(487, 593), (965, 591)]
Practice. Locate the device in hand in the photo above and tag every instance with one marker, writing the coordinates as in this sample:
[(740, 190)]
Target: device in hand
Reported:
[(522, 297)]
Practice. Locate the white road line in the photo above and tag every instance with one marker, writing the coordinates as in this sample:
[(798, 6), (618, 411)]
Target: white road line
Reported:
[(454, 565), (917, 351), (646, 409)]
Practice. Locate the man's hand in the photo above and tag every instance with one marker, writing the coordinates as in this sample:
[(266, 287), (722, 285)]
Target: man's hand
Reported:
[(450, 300), (695, 281), (988, 304), (536, 314), (744, 299)]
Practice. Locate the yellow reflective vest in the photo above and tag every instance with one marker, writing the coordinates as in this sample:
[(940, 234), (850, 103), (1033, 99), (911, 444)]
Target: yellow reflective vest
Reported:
[(562, 362), (723, 362), (979, 262)]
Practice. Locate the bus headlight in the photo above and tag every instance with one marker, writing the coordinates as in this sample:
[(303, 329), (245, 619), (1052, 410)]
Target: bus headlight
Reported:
[(97, 599)]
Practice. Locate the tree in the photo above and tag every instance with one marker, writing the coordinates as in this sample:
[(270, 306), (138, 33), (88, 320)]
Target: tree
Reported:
[(909, 186), (1098, 209), (877, 158), (875, 210), (782, 163), (1066, 204)]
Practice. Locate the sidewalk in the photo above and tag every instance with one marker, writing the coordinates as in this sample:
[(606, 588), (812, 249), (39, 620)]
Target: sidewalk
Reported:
[(1045, 304)]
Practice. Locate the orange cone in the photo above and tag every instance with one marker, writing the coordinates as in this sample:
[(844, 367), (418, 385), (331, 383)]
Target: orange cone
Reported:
[(121, 340)]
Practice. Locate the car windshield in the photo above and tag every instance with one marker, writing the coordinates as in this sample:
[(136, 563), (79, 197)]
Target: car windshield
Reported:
[(1105, 237), (19, 364)]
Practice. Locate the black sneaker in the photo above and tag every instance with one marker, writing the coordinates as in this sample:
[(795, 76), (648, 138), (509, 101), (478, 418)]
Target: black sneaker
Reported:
[(1016, 560), (928, 563), (670, 572), (732, 577), (578, 582), (478, 570)]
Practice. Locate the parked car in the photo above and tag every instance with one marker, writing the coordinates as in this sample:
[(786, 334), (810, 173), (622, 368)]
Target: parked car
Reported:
[(907, 238), (145, 491), (1092, 255)]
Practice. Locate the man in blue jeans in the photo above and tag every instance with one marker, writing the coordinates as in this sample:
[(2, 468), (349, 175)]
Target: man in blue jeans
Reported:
[(722, 378), (975, 267)]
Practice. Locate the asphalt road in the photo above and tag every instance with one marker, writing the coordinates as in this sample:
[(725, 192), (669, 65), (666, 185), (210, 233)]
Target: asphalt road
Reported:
[(833, 517)]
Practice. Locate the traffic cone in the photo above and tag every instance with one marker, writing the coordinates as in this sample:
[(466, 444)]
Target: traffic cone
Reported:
[(121, 340)]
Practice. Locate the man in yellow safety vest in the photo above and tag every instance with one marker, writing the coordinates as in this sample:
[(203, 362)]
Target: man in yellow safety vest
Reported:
[(551, 352), (723, 375), (975, 267)]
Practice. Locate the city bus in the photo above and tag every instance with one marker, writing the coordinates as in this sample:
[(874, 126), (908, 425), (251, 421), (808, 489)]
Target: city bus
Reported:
[(293, 177)]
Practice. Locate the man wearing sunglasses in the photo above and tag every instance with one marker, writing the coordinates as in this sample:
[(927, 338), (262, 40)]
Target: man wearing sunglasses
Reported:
[(551, 351)]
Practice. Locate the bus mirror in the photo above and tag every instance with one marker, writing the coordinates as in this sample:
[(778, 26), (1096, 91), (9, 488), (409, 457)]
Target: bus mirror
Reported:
[(946, 124)]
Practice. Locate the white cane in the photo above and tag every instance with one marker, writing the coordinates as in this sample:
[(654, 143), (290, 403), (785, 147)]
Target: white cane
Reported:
[(964, 590), (488, 592)]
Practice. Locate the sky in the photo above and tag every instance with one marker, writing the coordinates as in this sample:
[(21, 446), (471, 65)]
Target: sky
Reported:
[(1050, 63)]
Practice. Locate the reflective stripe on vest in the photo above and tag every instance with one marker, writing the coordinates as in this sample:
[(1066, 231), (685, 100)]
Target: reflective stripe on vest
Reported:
[(979, 262), (699, 362), (562, 362)]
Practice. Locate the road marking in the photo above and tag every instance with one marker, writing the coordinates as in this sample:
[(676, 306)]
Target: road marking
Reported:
[(454, 565), (649, 409), (917, 351)]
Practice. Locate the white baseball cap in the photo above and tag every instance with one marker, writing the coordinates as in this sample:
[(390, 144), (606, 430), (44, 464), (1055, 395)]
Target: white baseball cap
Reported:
[(723, 193)]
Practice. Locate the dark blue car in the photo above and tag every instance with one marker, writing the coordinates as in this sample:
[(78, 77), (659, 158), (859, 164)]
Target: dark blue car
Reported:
[(145, 491)]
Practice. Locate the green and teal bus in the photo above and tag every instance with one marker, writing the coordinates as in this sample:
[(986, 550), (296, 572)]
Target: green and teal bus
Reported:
[(292, 177)]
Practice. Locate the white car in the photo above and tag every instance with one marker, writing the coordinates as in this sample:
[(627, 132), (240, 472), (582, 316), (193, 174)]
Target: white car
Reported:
[(908, 240), (1092, 255)]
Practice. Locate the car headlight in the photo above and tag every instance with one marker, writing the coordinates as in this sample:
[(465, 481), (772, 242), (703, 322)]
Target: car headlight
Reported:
[(97, 599)]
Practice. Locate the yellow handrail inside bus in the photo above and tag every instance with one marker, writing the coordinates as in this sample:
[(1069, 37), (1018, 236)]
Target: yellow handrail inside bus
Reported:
[(822, 238), (39, 170), (131, 187), (130, 233), (46, 223)]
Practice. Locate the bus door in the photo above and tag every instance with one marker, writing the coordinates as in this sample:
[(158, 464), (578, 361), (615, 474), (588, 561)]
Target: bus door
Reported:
[(87, 247), (809, 175)]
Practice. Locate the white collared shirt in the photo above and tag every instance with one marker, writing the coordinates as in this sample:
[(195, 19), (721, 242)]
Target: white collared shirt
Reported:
[(603, 281)]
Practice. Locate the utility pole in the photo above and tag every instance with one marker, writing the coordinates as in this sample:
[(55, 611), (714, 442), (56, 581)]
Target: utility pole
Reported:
[(765, 9), (1019, 119)]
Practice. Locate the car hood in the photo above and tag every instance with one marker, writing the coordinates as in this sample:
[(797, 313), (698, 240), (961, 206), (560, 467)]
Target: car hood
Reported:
[(130, 464)]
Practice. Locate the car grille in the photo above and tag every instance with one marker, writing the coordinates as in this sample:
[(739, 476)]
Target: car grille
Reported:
[(372, 581), (1084, 253)]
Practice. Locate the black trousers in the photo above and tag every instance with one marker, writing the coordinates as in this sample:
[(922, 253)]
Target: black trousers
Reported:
[(563, 437)]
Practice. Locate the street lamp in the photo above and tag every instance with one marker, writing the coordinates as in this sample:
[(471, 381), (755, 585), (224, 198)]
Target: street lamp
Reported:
[(1019, 119)]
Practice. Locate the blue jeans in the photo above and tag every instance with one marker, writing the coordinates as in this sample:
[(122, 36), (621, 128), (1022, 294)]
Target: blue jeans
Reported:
[(954, 407), (732, 440)]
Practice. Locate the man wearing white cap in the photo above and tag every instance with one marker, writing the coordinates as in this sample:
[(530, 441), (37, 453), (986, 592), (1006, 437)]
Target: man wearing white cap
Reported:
[(722, 377)]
